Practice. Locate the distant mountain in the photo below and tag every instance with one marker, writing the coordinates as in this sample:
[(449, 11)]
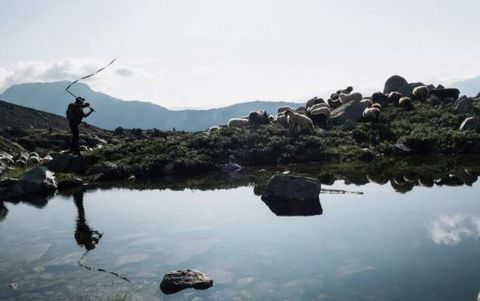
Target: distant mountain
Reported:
[(469, 87), (113, 112)]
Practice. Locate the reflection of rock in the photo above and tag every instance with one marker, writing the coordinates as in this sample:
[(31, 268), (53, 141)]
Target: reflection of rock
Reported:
[(176, 281), (288, 195)]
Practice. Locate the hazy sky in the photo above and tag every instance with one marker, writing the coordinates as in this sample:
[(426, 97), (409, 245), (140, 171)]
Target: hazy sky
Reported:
[(209, 53)]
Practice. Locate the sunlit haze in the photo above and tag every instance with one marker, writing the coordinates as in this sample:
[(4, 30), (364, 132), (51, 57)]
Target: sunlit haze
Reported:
[(214, 53)]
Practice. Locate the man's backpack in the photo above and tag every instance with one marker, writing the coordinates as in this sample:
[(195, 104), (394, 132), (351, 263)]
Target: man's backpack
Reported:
[(70, 111)]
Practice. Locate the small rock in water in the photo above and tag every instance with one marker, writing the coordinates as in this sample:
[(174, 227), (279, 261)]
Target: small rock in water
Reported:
[(176, 281)]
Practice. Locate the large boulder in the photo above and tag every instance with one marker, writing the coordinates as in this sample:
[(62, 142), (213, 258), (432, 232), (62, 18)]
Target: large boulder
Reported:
[(64, 162), (38, 180), (352, 110), (400, 84), (288, 195), (176, 281), (470, 123), (463, 105)]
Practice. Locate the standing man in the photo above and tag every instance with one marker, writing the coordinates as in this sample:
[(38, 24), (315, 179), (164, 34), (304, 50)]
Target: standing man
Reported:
[(75, 115)]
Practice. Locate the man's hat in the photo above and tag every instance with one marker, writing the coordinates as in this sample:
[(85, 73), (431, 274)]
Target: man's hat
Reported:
[(79, 99)]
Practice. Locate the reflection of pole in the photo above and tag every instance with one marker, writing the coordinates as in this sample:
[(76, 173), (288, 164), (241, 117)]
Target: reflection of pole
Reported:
[(3, 211), (86, 237)]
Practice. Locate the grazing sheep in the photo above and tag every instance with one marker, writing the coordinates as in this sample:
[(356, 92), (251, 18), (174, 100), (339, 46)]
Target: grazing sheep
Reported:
[(346, 98), (213, 129), (238, 123), (379, 97), (258, 118), (377, 105), (420, 93), (34, 154), (394, 97), (33, 160), (347, 90), (313, 101), (283, 109), (320, 116), (406, 103), (445, 93), (298, 121), (367, 102), (371, 114), (334, 103), (282, 120)]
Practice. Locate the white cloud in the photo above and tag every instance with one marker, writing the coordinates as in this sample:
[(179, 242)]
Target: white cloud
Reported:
[(71, 69), (452, 229)]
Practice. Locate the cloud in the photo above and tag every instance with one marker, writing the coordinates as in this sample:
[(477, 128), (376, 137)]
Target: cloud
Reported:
[(70, 69), (452, 229)]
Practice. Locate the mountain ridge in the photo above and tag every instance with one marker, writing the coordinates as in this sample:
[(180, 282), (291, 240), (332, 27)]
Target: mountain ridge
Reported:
[(112, 112)]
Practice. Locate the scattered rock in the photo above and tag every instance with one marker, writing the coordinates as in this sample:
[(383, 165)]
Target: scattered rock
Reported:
[(401, 149), (107, 171), (20, 163), (400, 84), (64, 162), (463, 105), (230, 167), (348, 125), (33, 160), (470, 123), (38, 180), (176, 281), (352, 110)]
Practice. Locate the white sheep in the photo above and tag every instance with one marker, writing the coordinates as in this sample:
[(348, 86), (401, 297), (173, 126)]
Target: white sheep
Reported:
[(318, 106), (281, 119), (420, 93), (238, 123), (346, 98), (371, 114), (298, 122)]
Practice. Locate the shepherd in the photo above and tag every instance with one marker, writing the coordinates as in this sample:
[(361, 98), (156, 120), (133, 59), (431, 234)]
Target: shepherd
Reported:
[(75, 114)]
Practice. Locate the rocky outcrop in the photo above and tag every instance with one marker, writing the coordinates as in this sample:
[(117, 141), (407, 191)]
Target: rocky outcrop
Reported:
[(463, 105), (64, 162), (349, 111), (400, 84), (176, 281), (470, 123)]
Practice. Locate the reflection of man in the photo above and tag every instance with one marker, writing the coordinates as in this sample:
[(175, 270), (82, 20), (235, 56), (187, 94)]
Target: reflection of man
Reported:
[(3, 211), (84, 235), (75, 115)]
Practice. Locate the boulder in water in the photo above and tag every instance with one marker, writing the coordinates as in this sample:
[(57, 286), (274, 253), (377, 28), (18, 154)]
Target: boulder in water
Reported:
[(176, 281)]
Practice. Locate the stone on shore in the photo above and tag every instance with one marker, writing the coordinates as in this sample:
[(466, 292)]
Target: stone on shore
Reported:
[(176, 281), (470, 123)]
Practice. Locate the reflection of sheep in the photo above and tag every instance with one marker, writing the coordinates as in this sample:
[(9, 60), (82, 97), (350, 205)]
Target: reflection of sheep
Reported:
[(406, 103), (346, 98), (313, 101), (394, 97), (371, 114), (320, 115), (258, 118), (420, 93), (238, 123), (298, 122)]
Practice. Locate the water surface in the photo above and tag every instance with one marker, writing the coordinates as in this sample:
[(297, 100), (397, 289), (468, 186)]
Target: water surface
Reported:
[(381, 245)]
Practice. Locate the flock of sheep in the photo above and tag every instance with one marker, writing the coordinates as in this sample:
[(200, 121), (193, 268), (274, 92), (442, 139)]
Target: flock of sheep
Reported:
[(317, 111)]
